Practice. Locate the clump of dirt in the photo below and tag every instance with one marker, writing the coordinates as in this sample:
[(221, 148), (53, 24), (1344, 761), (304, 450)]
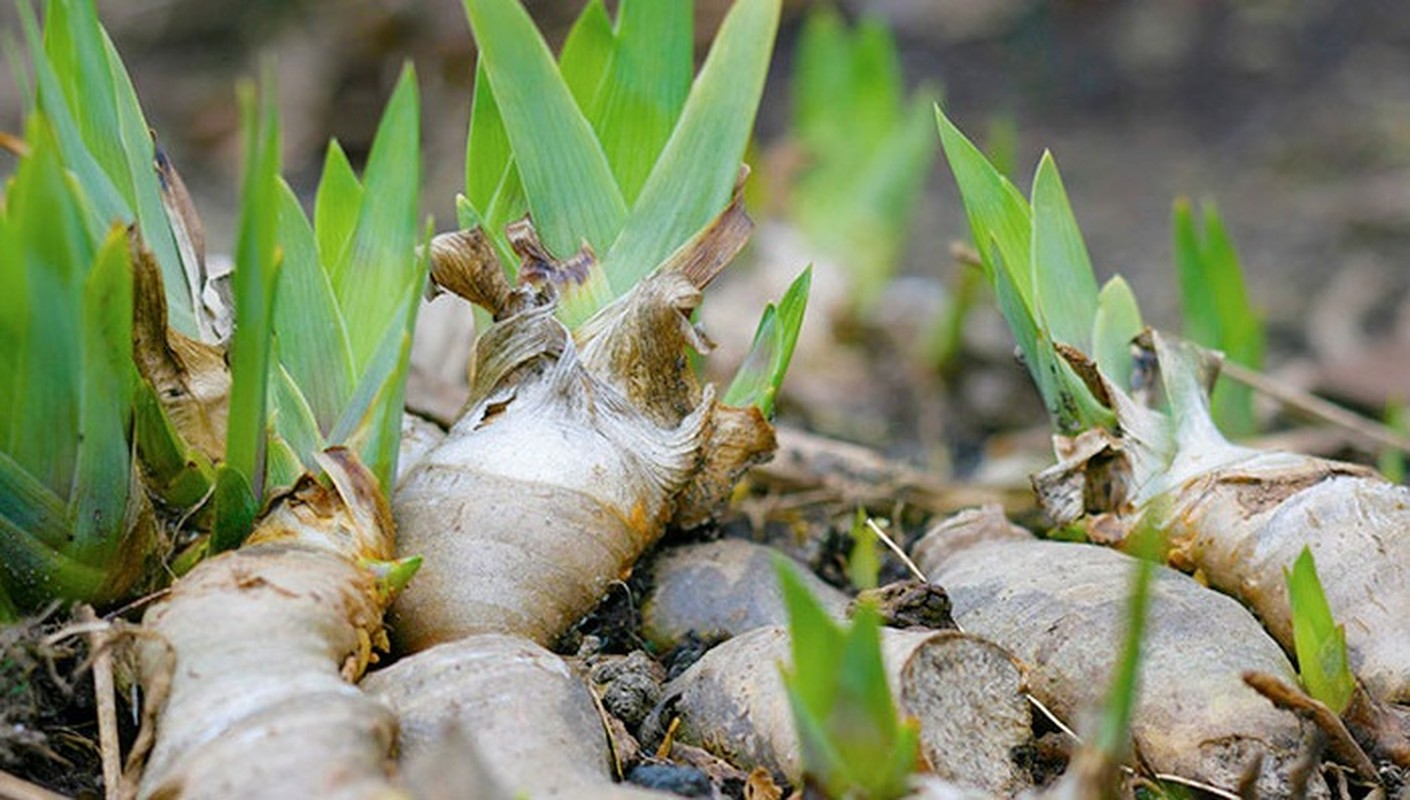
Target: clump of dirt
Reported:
[(616, 621), (912, 603), (630, 687), (48, 731)]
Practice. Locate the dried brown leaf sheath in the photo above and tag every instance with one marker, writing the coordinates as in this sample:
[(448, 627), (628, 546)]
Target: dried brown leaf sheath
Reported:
[(574, 453), (190, 377), (1061, 608), (256, 652)]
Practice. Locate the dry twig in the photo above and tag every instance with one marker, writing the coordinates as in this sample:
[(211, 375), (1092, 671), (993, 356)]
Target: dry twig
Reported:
[(108, 745)]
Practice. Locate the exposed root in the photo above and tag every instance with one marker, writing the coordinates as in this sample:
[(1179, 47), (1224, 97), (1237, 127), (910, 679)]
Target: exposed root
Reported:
[(20, 789)]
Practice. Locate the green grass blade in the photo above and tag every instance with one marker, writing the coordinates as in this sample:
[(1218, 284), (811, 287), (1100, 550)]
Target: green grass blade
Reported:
[(1114, 731), (822, 761), (864, 723), (1391, 461), (53, 104), (814, 636), (56, 248), (487, 152), (646, 83), (366, 425), (509, 204), (751, 383), (1240, 327), (370, 282), (694, 177), (294, 418), (877, 85), (1117, 322), (999, 217), (14, 327), (1019, 316), (762, 372), (1064, 284), (253, 284), (336, 206), (822, 82), (566, 177), (853, 743), (98, 90), (863, 562), (282, 464), (1201, 314), (586, 51), (1319, 641), (380, 447), (74, 48), (310, 338), (33, 574), (235, 509), (863, 211), (140, 150), (101, 480), (1239, 323), (1003, 226), (1216, 311)]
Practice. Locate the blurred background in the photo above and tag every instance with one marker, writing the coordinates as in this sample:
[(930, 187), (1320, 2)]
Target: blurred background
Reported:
[(1293, 115)]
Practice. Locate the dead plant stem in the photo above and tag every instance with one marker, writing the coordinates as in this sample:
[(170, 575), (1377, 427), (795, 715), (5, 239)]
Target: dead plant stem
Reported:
[(109, 746), (1369, 431)]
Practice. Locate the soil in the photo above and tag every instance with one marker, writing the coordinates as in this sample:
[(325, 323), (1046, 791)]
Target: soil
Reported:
[(48, 729)]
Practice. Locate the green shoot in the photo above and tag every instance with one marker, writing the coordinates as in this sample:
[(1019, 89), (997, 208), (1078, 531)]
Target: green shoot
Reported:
[(643, 88), (1216, 309), (1113, 739), (1035, 259), (613, 146), (348, 297), (867, 149), (864, 562), (1391, 462), (1319, 641), (240, 480), (1117, 322), (337, 341), (66, 482), (104, 140), (566, 178), (583, 59), (854, 744), (758, 379)]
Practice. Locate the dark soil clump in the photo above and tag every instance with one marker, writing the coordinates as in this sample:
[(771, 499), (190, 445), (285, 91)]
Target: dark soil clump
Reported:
[(48, 730)]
